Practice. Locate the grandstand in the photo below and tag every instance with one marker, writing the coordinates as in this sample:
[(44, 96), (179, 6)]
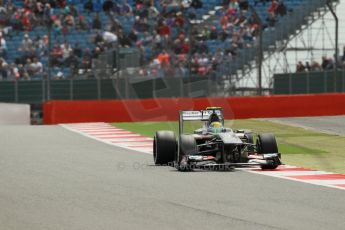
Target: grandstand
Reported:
[(100, 49)]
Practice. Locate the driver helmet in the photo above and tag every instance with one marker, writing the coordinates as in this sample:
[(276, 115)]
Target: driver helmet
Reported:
[(216, 127)]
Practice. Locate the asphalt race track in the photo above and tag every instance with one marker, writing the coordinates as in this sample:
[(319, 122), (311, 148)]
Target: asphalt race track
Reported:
[(327, 124), (52, 178)]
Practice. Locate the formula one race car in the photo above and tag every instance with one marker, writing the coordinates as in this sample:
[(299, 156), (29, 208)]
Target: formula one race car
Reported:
[(213, 146)]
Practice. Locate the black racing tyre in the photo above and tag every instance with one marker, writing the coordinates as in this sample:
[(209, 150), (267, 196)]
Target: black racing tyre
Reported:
[(266, 143), (187, 146), (164, 147)]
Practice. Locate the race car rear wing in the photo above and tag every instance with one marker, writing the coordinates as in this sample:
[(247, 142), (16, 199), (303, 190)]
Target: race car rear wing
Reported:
[(199, 115)]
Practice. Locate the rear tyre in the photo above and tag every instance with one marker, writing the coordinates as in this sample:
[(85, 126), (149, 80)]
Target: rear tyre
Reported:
[(266, 143), (187, 146), (164, 147)]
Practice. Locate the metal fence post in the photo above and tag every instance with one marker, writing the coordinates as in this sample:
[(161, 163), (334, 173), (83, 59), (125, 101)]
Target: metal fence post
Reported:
[(71, 89), (308, 82), (290, 84), (16, 91), (127, 88), (325, 81), (181, 86), (343, 85), (43, 90), (154, 88), (98, 88)]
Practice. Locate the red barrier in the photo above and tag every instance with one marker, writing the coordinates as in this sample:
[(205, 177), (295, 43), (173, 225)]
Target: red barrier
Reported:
[(166, 109)]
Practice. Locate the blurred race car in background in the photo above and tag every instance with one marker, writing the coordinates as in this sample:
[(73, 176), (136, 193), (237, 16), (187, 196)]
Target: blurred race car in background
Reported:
[(213, 146)]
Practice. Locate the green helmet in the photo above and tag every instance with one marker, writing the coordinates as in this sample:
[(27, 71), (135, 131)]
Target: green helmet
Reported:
[(216, 127)]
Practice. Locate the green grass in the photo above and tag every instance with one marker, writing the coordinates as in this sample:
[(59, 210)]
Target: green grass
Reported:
[(299, 147)]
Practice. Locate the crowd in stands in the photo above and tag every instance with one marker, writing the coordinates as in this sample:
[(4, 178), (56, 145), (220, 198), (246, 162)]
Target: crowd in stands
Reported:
[(327, 64), (176, 43), (169, 43)]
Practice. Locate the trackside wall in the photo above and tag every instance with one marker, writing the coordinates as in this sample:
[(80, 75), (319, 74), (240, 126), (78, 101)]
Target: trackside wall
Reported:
[(14, 114), (166, 109)]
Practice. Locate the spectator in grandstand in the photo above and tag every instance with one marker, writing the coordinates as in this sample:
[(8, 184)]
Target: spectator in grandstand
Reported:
[(86, 60), (77, 50), (140, 25), (3, 46), (327, 63), (185, 4), (107, 5), (66, 51), (39, 10), (181, 70), (13, 72), (15, 21), (81, 23), (300, 67), (58, 74), (164, 58), (153, 12), (28, 66), (164, 30), (36, 68), (338, 62), (196, 4), (132, 36), (96, 52), (88, 5), (25, 20), (56, 25), (203, 64), (125, 9), (69, 20), (307, 66), (98, 39), (48, 12), (2, 8), (233, 7), (281, 9), (244, 4), (41, 45), (315, 66), (23, 74), (25, 45), (110, 39), (179, 20), (57, 55), (3, 68), (213, 33), (272, 10), (96, 22)]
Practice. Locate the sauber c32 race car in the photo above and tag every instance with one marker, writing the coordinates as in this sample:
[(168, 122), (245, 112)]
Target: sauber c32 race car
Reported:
[(213, 146)]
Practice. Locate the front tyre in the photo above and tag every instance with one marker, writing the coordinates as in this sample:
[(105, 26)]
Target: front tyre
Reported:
[(266, 143), (164, 148)]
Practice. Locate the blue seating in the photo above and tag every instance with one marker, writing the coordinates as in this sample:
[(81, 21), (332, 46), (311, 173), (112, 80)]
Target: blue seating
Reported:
[(84, 37)]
